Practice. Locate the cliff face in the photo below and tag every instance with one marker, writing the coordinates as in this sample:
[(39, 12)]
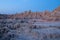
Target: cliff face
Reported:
[(54, 15), (26, 15)]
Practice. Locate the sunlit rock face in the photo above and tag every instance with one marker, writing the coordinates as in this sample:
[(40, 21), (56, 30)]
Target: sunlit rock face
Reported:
[(31, 25), (46, 15), (57, 9)]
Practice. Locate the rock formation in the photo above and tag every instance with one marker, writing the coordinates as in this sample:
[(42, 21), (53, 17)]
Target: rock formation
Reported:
[(52, 16)]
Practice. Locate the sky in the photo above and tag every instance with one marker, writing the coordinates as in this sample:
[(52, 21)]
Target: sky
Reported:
[(14, 6)]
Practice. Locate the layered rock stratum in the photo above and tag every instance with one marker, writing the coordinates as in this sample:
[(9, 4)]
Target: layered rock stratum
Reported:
[(46, 15)]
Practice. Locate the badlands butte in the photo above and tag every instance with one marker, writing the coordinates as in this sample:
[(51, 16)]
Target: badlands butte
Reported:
[(46, 15), (30, 25)]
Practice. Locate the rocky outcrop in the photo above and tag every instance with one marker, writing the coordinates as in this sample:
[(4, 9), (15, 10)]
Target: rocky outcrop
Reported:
[(46, 15)]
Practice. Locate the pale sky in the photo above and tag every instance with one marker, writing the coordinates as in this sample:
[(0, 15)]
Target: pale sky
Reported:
[(13, 6)]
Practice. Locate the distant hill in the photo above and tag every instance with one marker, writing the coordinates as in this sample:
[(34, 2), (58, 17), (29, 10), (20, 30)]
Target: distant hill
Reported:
[(46, 15)]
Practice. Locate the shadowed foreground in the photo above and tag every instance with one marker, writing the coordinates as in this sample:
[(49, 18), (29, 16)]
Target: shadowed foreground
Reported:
[(12, 29)]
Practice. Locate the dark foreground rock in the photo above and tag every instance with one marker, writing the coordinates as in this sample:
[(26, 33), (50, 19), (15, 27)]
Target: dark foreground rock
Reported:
[(12, 29)]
